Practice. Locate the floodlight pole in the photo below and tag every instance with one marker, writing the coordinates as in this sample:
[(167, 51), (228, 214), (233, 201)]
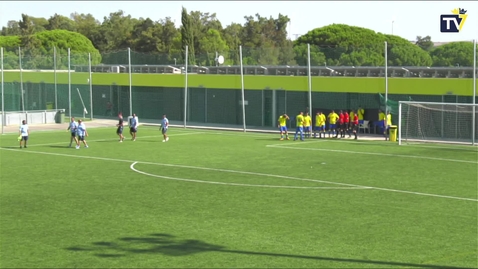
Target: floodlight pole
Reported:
[(473, 134), (185, 85), (3, 101), (386, 77), (242, 92)]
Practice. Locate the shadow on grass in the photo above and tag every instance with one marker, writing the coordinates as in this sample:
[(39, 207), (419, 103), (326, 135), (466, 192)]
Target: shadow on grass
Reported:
[(166, 244)]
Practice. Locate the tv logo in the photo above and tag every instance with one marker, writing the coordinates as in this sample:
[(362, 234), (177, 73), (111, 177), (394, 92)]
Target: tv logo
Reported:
[(453, 23)]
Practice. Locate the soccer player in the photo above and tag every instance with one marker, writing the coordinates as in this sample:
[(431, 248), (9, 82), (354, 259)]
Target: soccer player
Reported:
[(23, 132), (283, 126), (346, 124), (134, 127), (333, 117), (72, 128), (341, 125), (354, 125), (319, 124), (299, 126), (361, 113), (307, 125), (164, 128), (119, 130), (82, 133), (387, 123), (381, 120)]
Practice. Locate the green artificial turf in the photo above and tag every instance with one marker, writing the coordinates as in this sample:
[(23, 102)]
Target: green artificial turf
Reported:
[(195, 202)]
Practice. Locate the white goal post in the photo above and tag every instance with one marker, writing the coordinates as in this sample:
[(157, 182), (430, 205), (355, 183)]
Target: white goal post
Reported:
[(435, 122)]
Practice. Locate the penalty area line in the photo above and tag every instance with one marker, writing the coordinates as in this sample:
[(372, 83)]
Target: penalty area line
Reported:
[(242, 184), (374, 153)]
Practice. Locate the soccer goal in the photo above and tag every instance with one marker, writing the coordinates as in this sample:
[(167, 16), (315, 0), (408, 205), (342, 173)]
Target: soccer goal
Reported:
[(421, 122)]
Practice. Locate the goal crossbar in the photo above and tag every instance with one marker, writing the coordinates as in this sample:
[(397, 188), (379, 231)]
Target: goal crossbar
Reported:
[(437, 122)]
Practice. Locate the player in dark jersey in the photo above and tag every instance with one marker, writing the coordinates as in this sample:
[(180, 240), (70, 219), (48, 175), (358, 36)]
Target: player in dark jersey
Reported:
[(341, 130), (119, 131), (346, 124)]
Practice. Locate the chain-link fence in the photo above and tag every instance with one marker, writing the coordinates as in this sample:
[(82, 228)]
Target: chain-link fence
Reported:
[(273, 81)]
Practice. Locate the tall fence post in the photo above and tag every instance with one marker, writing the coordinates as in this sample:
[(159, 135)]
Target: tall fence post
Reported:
[(69, 82), (310, 79), (474, 95), (3, 95), (386, 77), (185, 84), (242, 92), (130, 83), (90, 80), (21, 77), (54, 75)]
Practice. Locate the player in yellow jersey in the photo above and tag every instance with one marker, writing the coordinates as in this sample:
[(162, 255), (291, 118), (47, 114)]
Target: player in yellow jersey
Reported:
[(299, 126), (307, 125), (283, 126), (381, 120), (387, 122), (360, 113), (333, 117), (319, 124)]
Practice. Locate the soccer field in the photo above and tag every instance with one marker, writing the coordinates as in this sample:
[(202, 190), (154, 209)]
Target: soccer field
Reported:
[(229, 199)]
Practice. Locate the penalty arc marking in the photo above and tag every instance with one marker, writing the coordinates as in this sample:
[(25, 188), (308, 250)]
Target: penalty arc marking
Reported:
[(242, 184)]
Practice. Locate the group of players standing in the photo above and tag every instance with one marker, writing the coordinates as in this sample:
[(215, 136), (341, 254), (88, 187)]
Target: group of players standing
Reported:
[(339, 124)]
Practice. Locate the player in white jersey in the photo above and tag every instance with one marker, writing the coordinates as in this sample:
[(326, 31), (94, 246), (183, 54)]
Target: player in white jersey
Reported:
[(72, 128), (164, 128), (23, 134), (82, 133)]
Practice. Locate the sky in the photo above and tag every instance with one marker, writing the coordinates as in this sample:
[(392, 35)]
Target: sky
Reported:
[(407, 19)]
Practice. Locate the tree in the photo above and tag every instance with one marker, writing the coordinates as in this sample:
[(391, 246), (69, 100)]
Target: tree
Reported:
[(42, 56), (355, 46), (402, 53), (59, 22), (425, 43), (187, 36), (13, 28), (453, 54), (211, 44), (88, 26)]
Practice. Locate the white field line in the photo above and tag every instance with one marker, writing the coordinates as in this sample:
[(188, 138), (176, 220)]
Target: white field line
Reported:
[(241, 172), (374, 153), (243, 185), (388, 144), (110, 139), (297, 143)]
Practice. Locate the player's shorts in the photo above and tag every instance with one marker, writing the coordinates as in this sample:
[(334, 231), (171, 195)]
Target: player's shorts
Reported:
[(73, 134), (164, 130), (320, 128), (81, 137), (353, 126), (132, 129), (299, 129), (119, 130), (24, 138), (347, 125), (283, 128), (307, 129), (341, 125), (332, 126)]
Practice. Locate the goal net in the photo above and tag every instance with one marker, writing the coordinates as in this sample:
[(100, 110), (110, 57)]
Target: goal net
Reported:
[(437, 123)]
